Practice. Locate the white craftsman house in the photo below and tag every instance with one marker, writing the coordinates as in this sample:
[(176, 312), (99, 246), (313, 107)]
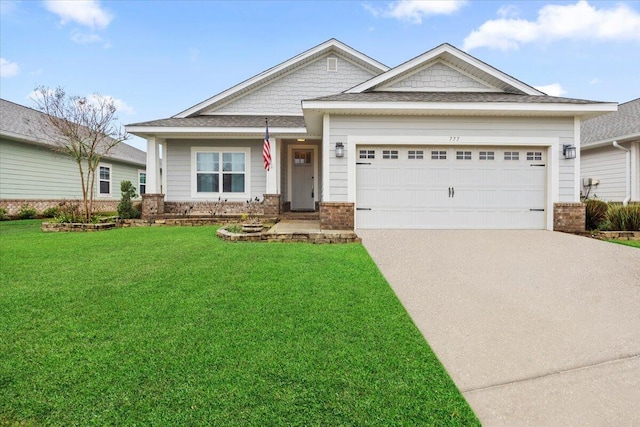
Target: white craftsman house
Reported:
[(443, 140), (610, 166)]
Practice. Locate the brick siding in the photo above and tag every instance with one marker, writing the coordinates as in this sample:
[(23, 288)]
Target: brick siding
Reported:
[(569, 217), (336, 216)]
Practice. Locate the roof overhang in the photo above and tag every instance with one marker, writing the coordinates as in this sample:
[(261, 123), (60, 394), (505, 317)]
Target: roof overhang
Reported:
[(165, 132), (314, 110), (607, 142)]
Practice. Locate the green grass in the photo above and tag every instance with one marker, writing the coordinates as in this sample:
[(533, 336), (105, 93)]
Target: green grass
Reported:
[(171, 326), (634, 243)]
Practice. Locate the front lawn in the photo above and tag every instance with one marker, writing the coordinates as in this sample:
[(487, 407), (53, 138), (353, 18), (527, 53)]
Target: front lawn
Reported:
[(634, 243), (171, 326)]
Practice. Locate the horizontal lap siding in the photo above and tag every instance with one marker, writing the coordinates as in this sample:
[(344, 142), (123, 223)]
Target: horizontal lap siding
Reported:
[(343, 126), (178, 170), (32, 172), (606, 164)]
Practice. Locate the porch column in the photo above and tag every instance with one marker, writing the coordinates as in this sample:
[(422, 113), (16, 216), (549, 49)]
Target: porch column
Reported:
[(153, 165), (273, 174)]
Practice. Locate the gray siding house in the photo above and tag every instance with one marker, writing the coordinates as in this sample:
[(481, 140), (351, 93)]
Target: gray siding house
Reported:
[(443, 140), (32, 172), (610, 172)]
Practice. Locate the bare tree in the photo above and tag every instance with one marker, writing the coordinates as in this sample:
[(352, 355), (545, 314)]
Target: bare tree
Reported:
[(83, 128)]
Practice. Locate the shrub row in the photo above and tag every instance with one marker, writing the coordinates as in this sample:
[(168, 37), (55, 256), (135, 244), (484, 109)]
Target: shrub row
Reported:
[(612, 216)]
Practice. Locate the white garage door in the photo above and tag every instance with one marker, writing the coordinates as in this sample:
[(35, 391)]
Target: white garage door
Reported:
[(450, 187)]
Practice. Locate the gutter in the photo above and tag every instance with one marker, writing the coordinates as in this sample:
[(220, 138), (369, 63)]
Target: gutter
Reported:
[(625, 202)]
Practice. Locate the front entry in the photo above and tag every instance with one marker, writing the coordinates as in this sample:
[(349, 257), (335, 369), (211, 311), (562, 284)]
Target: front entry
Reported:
[(302, 185)]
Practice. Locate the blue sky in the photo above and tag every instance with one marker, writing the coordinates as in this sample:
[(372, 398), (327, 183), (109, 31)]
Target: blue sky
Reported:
[(157, 58)]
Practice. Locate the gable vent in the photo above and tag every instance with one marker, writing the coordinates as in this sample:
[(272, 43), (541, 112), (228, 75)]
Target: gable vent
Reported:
[(332, 64)]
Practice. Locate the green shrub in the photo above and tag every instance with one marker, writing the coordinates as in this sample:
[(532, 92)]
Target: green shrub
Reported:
[(623, 218), (125, 207), (596, 214), (69, 212), (51, 212), (27, 212), (3, 214)]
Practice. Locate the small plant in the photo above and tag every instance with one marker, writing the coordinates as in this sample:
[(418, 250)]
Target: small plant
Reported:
[(125, 207), (69, 212), (3, 214), (596, 214), (623, 218), (51, 212), (27, 212), (234, 228)]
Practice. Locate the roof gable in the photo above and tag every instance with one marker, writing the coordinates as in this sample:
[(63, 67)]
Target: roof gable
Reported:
[(332, 47), (437, 76), (454, 59)]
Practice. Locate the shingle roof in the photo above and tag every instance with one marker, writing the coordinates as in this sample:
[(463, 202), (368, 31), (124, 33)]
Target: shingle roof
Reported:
[(450, 97), (624, 122), (27, 124), (227, 121)]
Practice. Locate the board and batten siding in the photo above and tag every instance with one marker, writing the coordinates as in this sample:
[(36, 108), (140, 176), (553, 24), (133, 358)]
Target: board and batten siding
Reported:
[(37, 173), (606, 164), (283, 95), (178, 160), (446, 126)]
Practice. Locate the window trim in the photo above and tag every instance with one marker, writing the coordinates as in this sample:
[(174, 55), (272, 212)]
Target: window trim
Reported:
[(229, 196), (100, 180), (140, 172)]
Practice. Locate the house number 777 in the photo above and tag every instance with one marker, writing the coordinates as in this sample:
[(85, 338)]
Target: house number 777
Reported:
[(454, 139)]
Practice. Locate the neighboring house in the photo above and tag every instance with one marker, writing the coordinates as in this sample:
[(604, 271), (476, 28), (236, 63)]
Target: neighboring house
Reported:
[(443, 140), (608, 172), (32, 171)]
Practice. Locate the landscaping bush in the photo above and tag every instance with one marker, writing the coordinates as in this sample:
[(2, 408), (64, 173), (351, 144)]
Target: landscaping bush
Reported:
[(51, 212), (125, 207), (623, 218), (596, 214), (69, 212), (27, 212), (3, 214)]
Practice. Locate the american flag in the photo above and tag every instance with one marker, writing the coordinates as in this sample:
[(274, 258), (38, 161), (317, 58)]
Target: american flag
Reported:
[(266, 150)]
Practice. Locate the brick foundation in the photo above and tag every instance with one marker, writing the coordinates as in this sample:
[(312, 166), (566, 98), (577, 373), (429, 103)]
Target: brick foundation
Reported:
[(569, 217), (13, 206), (271, 205), (336, 216), (152, 205)]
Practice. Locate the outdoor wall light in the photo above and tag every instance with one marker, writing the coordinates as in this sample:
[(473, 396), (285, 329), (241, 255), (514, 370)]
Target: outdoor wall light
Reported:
[(569, 151), (339, 149)]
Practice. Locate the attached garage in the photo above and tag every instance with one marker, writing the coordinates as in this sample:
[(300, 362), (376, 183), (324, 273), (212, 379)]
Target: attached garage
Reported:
[(464, 187)]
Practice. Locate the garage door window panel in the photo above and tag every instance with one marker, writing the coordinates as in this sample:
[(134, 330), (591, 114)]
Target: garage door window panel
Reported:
[(438, 155), (463, 155), (367, 154), (512, 155), (415, 154), (390, 154)]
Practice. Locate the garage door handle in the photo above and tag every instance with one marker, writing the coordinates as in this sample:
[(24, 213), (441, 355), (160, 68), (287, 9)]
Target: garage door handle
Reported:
[(453, 192), (363, 209), (536, 210), (449, 191)]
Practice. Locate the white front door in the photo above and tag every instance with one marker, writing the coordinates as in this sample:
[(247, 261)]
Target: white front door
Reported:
[(302, 185)]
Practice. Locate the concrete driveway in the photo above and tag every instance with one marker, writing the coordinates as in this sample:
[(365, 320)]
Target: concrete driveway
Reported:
[(535, 327)]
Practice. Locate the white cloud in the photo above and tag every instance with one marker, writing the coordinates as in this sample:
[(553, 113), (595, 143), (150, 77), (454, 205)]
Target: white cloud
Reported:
[(121, 106), (554, 89), (595, 81), (579, 21), (8, 68), (82, 38), (83, 12), (509, 11), (414, 10)]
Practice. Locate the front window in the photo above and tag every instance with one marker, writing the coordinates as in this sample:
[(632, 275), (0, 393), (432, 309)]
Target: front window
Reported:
[(142, 182), (104, 180), (221, 172)]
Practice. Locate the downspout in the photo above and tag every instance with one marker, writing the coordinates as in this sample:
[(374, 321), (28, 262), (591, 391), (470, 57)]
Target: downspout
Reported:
[(625, 202)]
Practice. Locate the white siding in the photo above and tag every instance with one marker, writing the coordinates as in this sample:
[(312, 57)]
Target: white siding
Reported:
[(31, 172), (438, 77), (283, 96), (606, 164), (178, 169), (516, 127)]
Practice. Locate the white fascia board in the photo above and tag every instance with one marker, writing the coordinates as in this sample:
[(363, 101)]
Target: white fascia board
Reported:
[(434, 53), (609, 141), (156, 130), (346, 107), (279, 68)]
